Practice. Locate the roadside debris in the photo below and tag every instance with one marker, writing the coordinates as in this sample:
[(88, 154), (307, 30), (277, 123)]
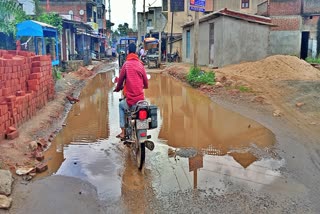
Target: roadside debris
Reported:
[(277, 113), (6, 181), (41, 167), (219, 84), (12, 133), (299, 104), (24, 170), (5, 202), (71, 99), (33, 145)]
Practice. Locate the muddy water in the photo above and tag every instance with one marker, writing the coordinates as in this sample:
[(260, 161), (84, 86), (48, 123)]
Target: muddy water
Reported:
[(198, 145), (190, 119)]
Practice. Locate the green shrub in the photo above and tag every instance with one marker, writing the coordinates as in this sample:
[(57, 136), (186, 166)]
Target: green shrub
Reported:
[(196, 77), (57, 74), (313, 60), (244, 89)]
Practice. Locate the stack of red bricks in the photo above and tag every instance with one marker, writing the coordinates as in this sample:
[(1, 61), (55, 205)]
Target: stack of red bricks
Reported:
[(26, 85)]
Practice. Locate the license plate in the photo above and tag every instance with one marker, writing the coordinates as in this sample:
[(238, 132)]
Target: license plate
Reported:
[(142, 124)]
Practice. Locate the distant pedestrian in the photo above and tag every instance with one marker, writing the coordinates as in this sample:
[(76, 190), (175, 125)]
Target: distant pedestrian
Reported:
[(141, 52)]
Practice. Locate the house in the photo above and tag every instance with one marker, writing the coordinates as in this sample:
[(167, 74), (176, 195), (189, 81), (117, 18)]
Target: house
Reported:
[(244, 6), (177, 13), (155, 21), (75, 40), (89, 12), (297, 26), (227, 37), (27, 6)]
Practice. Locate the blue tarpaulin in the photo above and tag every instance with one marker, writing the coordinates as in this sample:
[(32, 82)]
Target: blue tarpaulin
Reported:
[(39, 29)]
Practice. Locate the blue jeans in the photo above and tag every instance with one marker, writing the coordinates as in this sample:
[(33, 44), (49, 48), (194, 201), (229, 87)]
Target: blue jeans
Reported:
[(123, 106)]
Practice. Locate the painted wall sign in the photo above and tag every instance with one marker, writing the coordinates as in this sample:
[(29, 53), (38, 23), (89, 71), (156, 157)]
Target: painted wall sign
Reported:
[(198, 5)]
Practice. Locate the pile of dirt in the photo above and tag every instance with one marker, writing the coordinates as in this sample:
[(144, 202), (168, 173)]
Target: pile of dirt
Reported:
[(278, 67), (283, 84), (178, 71), (83, 73)]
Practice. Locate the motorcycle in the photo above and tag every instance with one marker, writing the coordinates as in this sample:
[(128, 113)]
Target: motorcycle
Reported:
[(138, 120)]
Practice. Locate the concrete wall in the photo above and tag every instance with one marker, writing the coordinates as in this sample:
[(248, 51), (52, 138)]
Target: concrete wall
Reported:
[(203, 54), (158, 22), (234, 41), (285, 42), (236, 5), (242, 41), (180, 18)]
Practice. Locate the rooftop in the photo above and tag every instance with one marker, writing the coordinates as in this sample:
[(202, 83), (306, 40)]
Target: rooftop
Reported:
[(233, 14)]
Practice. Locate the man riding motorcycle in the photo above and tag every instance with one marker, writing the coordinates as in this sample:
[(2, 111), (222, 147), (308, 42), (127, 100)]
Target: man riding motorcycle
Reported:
[(134, 75)]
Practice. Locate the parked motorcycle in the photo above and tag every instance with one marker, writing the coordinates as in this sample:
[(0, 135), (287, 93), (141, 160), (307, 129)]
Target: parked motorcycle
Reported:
[(138, 120), (144, 59)]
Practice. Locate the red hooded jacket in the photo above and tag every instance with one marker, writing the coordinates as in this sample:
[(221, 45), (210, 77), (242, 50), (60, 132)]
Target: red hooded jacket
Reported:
[(135, 77)]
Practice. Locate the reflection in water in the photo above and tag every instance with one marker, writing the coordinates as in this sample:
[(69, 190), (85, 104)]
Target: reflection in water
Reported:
[(191, 119), (86, 121), (221, 140)]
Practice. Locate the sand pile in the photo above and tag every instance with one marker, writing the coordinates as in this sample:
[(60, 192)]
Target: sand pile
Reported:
[(278, 67), (83, 73)]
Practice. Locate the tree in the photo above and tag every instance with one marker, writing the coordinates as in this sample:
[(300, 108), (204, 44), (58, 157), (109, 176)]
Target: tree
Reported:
[(11, 13), (50, 18), (124, 29)]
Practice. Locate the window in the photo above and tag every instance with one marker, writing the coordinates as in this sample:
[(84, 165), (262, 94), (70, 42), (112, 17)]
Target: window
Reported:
[(149, 23), (99, 10), (176, 5), (94, 17), (245, 3), (164, 5)]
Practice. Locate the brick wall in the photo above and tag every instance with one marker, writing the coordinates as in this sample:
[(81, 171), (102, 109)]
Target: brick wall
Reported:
[(26, 85), (286, 23), (311, 6), (63, 8), (284, 7)]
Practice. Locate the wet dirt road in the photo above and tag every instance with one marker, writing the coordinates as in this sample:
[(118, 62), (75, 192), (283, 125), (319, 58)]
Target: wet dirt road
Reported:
[(206, 157)]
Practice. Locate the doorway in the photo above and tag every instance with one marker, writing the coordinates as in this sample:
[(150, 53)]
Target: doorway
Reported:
[(304, 45), (211, 44), (188, 45)]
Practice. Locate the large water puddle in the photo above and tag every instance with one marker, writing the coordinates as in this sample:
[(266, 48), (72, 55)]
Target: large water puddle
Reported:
[(198, 144)]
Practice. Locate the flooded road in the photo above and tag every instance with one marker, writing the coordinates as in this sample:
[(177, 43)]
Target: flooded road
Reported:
[(199, 146)]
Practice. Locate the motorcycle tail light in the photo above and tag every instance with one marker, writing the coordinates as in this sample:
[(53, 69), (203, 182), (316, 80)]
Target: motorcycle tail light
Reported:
[(143, 114), (143, 134)]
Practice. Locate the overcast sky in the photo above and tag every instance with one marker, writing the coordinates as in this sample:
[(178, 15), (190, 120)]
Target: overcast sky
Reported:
[(121, 10)]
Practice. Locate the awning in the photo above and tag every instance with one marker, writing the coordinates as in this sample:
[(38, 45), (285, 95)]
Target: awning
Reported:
[(34, 28), (91, 35)]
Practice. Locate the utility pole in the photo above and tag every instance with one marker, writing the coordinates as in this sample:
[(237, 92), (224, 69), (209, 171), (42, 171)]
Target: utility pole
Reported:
[(134, 19), (109, 10), (144, 18), (196, 39), (171, 32), (159, 47), (110, 38)]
